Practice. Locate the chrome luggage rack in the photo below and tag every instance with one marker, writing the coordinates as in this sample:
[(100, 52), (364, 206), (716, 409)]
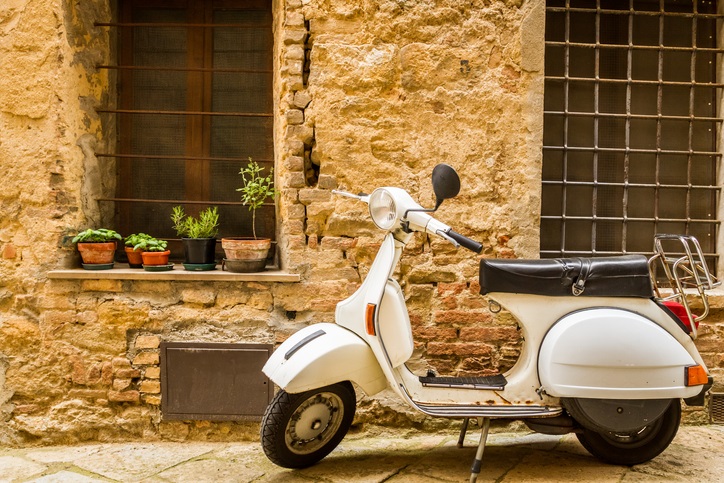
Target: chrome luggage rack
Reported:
[(685, 268)]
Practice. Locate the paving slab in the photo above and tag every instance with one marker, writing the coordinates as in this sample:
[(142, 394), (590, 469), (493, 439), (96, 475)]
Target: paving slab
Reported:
[(696, 455), (121, 461), (13, 468), (65, 476)]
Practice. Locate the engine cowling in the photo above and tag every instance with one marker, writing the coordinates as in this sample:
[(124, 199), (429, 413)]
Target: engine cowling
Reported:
[(608, 353)]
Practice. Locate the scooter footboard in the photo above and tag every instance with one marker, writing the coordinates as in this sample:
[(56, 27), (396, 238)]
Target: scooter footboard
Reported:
[(613, 354), (324, 354)]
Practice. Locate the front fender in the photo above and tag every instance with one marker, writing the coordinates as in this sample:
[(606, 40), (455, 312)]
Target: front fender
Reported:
[(324, 354)]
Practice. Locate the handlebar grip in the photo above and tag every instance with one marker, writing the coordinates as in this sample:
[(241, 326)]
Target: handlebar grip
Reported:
[(466, 242)]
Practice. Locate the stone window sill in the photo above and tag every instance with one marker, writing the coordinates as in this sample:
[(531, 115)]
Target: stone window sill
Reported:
[(122, 272)]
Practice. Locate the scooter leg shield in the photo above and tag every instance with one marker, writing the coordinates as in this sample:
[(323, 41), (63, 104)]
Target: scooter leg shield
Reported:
[(613, 354), (324, 354)]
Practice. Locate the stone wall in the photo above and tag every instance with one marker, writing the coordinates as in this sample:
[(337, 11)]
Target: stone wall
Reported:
[(367, 94)]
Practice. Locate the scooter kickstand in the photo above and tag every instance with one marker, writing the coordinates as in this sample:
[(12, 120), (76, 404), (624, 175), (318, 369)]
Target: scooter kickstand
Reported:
[(463, 430), (478, 462)]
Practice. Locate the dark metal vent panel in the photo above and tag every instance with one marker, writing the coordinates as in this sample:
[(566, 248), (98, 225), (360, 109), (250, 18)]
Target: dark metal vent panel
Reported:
[(217, 382)]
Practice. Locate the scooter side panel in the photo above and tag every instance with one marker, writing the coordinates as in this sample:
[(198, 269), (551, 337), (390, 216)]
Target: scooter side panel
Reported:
[(324, 354), (610, 353), (394, 324), (350, 312)]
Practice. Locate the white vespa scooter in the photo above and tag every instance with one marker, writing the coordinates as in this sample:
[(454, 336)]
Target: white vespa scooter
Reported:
[(603, 355)]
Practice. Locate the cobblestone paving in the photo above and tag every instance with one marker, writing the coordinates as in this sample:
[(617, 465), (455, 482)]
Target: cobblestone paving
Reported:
[(696, 455)]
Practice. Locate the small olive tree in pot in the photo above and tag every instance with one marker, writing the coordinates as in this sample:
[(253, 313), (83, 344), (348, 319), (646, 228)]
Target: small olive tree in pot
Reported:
[(250, 254)]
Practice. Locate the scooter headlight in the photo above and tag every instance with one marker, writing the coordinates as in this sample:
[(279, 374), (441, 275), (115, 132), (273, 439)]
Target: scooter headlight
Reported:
[(383, 209)]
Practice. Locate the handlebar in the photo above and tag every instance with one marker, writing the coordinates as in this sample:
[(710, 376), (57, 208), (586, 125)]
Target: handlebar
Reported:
[(465, 242), (419, 219)]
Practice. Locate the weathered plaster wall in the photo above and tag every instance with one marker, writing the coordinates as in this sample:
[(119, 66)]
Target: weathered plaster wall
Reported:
[(369, 93), (47, 94)]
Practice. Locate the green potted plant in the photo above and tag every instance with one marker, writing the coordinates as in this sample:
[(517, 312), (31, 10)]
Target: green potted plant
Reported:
[(198, 235), (250, 254), (133, 254), (154, 253), (97, 247)]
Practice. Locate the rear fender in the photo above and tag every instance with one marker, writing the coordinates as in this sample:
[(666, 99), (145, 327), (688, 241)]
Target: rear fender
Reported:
[(610, 353), (324, 354)]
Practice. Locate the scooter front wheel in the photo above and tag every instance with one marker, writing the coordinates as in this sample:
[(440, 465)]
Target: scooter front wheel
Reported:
[(635, 447), (300, 429)]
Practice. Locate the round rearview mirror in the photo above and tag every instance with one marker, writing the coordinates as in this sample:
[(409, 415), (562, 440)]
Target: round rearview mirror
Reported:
[(445, 183)]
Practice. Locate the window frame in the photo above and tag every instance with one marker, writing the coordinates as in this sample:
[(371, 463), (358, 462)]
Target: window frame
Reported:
[(197, 155)]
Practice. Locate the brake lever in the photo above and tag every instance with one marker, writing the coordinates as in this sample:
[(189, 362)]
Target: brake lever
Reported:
[(448, 238)]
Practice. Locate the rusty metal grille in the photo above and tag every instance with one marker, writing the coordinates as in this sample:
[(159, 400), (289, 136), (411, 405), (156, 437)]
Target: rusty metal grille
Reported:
[(214, 381), (631, 125), (716, 407)]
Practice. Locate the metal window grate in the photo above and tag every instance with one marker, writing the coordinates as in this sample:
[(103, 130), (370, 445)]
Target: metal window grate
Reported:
[(631, 125)]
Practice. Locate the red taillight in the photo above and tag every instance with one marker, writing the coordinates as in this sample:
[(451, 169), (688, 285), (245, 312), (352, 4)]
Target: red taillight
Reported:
[(680, 312)]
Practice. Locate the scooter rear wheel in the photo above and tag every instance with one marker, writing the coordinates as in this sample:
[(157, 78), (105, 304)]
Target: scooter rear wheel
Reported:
[(300, 429), (635, 447)]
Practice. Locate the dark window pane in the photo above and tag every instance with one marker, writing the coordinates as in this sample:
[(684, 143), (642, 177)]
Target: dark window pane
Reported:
[(178, 77)]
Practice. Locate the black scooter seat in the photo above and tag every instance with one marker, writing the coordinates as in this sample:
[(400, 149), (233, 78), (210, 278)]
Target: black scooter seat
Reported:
[(621, 276)]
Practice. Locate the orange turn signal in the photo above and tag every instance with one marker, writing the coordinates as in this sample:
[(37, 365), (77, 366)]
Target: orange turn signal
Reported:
[(370, 319), (696, 375)]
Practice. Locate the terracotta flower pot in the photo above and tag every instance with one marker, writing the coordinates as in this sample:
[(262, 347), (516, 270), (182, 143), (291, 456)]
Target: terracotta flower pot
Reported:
[(155, 258), (245, 254), (135, 260), (97, 253)]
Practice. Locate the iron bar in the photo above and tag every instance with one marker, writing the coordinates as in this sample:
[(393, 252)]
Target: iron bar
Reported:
[(184, 69), (631, 219), (603, 253), (690, 133), (185, 113), (628, 184), (627, 139), (631, 150), (635, 81), (649, 13), (176, 202), (596, 124), (659, 110), (180, 157), (182, 25), (566, 66), (660, 47), (628, 116)]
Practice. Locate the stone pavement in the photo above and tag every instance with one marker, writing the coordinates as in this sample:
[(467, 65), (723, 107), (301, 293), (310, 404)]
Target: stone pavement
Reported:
[(696, 455)]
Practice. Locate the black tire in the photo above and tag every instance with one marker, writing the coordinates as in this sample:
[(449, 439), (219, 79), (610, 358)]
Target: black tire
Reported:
[(300, 429), (635, 447)]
